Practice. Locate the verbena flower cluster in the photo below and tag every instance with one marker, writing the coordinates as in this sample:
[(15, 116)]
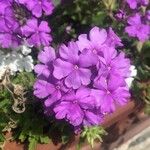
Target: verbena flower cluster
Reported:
[(21, 20), (85, 79), (136, 18)]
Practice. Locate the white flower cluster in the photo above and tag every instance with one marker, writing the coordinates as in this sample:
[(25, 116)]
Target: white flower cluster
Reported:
[(132, 75), (16, 60)]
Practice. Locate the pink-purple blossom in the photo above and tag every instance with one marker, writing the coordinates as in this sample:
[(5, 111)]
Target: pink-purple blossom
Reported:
[(46, 57), (18, 25), (73, 66), (39, 6), (84, 79), (37, 34), (136, 28), (97, 39), (133, 4)]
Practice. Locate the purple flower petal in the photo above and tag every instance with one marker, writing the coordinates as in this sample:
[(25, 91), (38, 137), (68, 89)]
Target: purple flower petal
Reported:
[(52, 99), (98, 36), (73, 80), (84, 75), (69, 53), (62, 68), (88, 58), (42, 70), (42, 88), (47, 55), (83, 42)]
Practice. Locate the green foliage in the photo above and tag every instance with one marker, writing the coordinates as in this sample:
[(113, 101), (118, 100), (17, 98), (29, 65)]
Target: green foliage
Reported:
[(27, 126), (4, 106), (93, 133), (26, 79)]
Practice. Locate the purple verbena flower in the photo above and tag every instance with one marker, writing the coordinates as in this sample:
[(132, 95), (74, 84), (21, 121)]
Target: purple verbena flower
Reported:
[(51, 91), (133, 4), (111, 63), (77, 107), (46, 57), (83, 80), (137, 29), (16, 18), (112, 39), (73, 66), (97, 39), (120, 14), (38, 6), (37, 34), (111, 91)]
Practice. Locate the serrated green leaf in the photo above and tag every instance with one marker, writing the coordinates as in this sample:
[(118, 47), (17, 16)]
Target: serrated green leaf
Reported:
[(93, 133)]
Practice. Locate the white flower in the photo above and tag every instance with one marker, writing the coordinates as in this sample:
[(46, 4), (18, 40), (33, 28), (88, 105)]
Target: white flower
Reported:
[(16, 60), (25, 63), (132, 75), (25, 50), (10, 62), (2, 71)]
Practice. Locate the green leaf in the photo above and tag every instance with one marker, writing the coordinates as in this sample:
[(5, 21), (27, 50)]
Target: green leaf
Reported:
[(23, 136), (92, 134), (26, 79), (32, 143), (44, 139), (2, 138)]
